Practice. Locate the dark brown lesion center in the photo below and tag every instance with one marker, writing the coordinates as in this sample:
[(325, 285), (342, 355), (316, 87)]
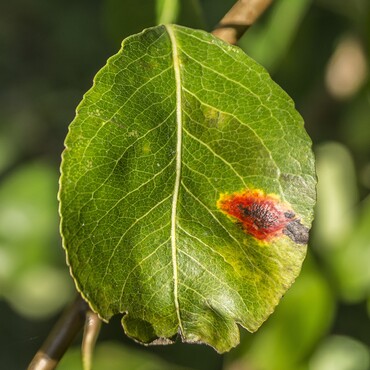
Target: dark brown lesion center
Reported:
[(261, 215)]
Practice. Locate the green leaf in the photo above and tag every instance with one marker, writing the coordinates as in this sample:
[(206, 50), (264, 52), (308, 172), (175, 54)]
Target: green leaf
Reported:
[(301, 320), (115, 356), (30, 279), (341, 353), (177, 124), (280, 30), (336, 197), (342, 232)]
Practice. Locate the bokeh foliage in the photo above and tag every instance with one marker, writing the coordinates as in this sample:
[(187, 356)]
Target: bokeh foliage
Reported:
[(50, 50)]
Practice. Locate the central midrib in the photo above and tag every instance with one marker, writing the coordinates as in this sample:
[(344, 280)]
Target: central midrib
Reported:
[(176, 67)]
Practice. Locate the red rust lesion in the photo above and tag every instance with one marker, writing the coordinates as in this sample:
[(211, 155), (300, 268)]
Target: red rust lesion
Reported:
[(263, 216)]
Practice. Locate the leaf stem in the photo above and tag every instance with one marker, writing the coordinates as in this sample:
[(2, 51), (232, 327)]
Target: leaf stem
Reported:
[(61, 336), (91, 332), (239, 18)]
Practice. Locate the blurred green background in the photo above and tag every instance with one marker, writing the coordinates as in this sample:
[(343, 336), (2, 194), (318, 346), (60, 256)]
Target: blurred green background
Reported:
[(317, 50)]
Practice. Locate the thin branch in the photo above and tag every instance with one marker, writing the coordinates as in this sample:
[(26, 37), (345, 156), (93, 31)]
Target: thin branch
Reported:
[(239, 18), (61, 336)]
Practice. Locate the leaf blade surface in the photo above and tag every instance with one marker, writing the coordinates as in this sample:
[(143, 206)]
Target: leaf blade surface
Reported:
[(174, 120)]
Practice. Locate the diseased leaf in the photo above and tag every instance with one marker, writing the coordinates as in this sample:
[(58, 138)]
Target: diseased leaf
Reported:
[(178, 129)]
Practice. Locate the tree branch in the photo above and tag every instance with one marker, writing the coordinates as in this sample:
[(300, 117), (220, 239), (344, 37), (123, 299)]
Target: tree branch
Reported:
[(239, 18), (61, 336)]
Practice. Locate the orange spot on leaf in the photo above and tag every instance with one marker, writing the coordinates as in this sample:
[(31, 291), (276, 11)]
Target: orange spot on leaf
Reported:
[(262, 216)]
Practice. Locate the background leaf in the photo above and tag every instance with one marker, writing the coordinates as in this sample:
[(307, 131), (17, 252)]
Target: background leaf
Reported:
[(45, 73), (341, 353), (279, 30), (30, 278), (342, 232), (115, 356), (176, 119)]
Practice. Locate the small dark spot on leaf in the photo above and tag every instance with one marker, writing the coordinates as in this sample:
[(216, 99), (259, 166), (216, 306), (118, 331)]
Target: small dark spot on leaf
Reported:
[(297, 232), (289, 214)]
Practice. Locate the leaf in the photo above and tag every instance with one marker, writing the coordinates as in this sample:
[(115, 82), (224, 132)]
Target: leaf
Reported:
[(337, 197), (28, 233), (279, 30), (342, 231), (112, 355), (301, 320), (350, 261), (177, 123), (341, 353)]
